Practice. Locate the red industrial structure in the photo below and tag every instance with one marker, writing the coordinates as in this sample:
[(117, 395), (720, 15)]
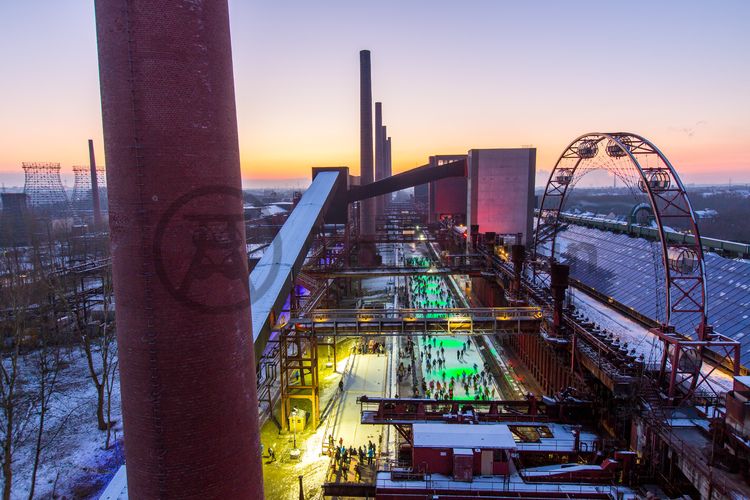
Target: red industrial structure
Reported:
[(461, 451), (447, 197), (175, 209)]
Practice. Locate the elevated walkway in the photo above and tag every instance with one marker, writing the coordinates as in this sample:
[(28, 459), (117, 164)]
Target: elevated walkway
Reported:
[(272, 278), (370, 272), (406, 321)]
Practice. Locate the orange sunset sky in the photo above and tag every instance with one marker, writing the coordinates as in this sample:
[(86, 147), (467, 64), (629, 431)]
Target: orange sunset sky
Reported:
[(452, 76)]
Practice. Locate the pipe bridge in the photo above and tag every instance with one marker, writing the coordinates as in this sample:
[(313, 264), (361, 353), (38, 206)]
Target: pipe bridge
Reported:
[(369, 272), (396, 322), (378, 410)]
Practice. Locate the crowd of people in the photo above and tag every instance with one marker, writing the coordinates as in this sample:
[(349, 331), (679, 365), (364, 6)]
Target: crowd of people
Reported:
[(430, 291), (370, 347), (441, 380), (417, 261), (342, 456), (439, 384)]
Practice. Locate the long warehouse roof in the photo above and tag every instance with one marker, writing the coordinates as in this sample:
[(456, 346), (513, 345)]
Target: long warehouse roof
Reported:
[(629, 270)]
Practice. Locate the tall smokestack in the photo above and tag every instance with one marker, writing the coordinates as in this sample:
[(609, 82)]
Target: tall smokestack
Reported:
[(94, 187), (379, 153), (189, 402), (383, 153), (388, 162), (388, 167), (367, 218)]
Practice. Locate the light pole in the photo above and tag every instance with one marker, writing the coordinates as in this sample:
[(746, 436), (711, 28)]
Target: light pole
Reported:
[(294, 414), (295, 453)]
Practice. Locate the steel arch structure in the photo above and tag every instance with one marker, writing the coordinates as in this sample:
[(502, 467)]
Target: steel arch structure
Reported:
[(684, 270)]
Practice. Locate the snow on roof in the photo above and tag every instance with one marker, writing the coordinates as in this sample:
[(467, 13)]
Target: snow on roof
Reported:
[(547, 470), (272, 210), (440, 435)]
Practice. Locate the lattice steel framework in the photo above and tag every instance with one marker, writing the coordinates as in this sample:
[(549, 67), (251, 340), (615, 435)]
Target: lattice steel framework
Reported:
[(622, 154), (299, 373), (43, 185), (82, 184), (644, 168)]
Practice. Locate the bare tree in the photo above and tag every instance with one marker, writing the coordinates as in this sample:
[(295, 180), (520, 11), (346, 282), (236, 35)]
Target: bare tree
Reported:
[(109, 357), (47, 360), (97, 338), (110, 385), (9, 401)]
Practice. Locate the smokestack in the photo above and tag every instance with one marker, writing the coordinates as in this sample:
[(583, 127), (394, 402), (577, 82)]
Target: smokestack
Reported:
[(367, 218), (388, 163), (388, 168), (383, 152), (94, 187), (379, 153), (189, 402)]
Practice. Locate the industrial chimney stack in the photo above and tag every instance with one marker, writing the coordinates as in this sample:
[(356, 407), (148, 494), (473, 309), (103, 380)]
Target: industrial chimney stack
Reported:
[(367, 211), (95, 187), (189, 402), (379, 154)]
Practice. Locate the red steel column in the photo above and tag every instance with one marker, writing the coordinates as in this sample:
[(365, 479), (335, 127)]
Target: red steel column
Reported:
[(188, 384)]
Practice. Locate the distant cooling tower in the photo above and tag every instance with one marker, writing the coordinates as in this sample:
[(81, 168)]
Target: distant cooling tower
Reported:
[(82, 184), (43, 185)]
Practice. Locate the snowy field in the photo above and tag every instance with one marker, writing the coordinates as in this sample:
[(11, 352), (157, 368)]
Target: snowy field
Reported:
[(73, 461)]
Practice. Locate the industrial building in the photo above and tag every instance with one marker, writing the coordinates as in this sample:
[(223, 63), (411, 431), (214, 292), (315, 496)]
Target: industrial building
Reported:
[(468, 341)]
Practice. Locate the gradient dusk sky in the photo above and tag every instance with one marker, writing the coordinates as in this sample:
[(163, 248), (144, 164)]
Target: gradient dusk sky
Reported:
[(452, 75)]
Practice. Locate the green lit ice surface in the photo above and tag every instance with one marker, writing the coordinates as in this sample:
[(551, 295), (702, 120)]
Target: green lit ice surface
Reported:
[(431, 291)]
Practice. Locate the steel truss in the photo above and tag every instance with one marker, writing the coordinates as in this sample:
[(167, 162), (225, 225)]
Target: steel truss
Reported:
[(395, 322), (683, 263), (299, 373)]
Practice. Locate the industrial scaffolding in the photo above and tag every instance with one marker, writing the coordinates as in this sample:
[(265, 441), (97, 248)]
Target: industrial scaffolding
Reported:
[(43, 185)]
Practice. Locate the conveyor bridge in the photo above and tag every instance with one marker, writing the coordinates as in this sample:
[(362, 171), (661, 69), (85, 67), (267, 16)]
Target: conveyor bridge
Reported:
[(456, 321), (370, 272)]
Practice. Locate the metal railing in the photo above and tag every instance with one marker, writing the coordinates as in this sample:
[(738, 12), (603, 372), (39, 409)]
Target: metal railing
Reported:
[(498, 484), (413, 314)]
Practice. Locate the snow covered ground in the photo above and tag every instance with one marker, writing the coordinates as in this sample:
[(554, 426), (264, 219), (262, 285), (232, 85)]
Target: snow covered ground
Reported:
[(73, 463)]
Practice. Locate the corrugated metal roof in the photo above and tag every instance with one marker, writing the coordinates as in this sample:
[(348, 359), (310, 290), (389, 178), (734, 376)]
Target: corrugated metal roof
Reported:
[(441, 435), (630, 270)]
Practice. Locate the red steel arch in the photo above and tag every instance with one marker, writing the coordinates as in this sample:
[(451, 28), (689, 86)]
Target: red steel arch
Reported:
[(684, 270)]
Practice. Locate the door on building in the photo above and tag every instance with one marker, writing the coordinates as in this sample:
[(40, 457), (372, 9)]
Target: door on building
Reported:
[(487, 462)]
